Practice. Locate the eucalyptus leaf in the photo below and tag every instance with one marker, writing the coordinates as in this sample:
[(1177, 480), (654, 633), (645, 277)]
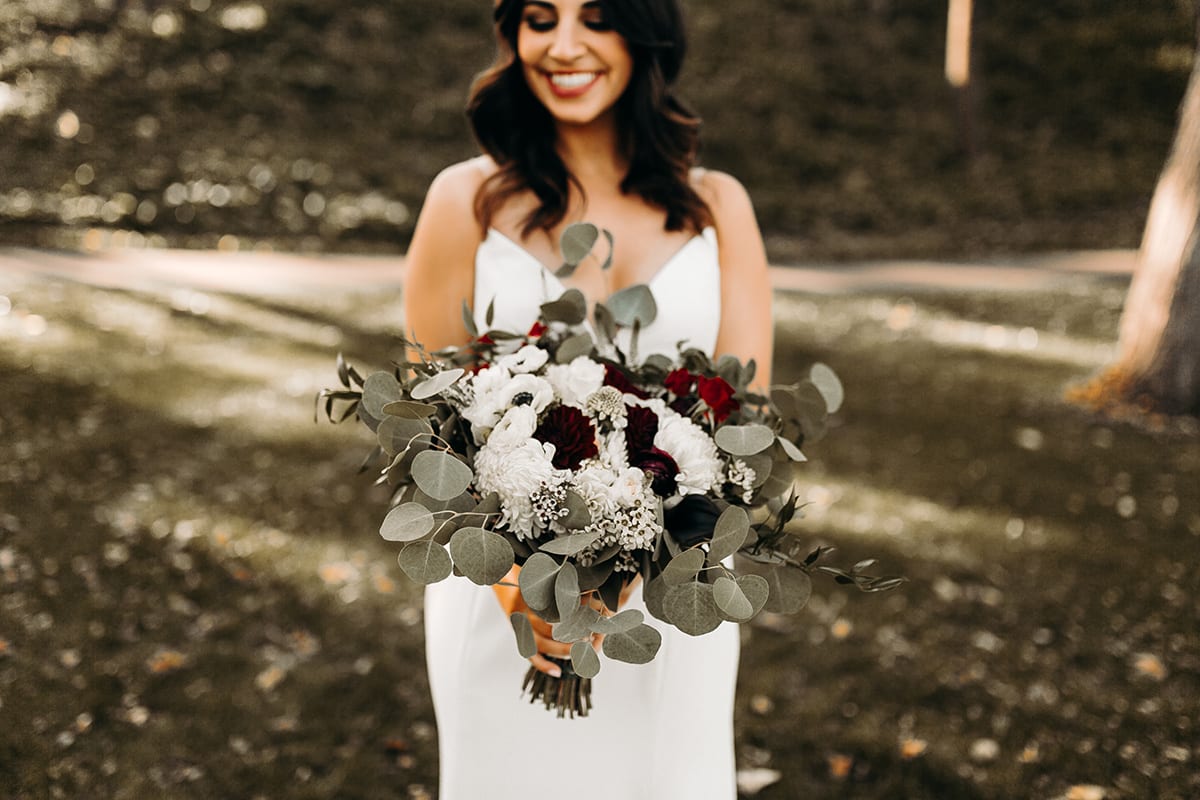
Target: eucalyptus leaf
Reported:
[(637, 646), (594, 576), (619, 623), (483, 556), (762, 464), (574, 347), (536, 580), (437, 384), (407, 523), (612, 246), (691, 608), (409, 409), (460, 504), (729, 534), (790, 590), (469, 320), (605, 324), (396, 434), (792, 451), (584, 660), (653, 594), (576, 626), (756, 589), (731, 600), (570, 307), (827, 383), (523, 630), (578, 515), (683, 567), (441, 475), (570, 545), (577, 241), (633, 304), (744, 440), (425, 562), (566, 590), (379, 389)]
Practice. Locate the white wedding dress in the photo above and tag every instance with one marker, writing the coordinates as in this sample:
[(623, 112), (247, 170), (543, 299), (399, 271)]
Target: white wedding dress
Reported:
[(658, 731)]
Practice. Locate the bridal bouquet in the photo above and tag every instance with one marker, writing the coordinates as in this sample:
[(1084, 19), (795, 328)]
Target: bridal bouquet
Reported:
[(555, 450)]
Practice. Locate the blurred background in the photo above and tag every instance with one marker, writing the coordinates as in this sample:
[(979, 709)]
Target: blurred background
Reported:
[(203, 201)]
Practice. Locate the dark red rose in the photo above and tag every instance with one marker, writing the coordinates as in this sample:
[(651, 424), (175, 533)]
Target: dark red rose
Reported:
[(680, 382), (717, 395), (571, 433), (617, 379), (537, 330), (640, 429), (662, 469)]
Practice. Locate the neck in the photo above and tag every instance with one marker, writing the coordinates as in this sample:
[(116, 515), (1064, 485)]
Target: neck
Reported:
[(592, 153)]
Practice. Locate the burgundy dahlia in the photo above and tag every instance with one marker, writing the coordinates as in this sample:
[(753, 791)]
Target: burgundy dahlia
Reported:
[(640, 429), (571, 433)]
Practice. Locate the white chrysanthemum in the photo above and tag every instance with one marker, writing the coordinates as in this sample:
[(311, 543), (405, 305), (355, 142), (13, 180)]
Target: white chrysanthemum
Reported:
[(575, 381), (515, 473), (528, 359), (693, 450)]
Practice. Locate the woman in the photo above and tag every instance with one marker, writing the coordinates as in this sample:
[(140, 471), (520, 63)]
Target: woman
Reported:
[(578, 122)]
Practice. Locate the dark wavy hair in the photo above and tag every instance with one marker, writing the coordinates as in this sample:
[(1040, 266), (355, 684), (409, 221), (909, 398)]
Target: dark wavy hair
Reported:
[(659, 135)]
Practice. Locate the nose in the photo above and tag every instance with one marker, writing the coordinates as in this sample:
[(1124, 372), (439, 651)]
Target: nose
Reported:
[(568, 42)]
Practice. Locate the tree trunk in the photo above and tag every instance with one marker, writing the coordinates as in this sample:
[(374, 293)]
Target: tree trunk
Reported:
[(1159, 356)]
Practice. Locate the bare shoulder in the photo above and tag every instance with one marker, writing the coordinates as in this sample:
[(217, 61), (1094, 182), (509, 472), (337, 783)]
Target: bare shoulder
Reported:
[(455, 187), (724, 194)]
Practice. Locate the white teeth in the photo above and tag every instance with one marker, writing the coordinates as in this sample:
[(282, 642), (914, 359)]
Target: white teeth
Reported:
[(572, 80)]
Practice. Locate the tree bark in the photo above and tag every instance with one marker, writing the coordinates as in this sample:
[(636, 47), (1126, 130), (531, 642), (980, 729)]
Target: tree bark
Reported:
[(1159, 353)]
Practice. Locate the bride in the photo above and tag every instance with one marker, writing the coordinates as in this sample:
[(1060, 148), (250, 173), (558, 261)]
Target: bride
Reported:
[(577, 121)]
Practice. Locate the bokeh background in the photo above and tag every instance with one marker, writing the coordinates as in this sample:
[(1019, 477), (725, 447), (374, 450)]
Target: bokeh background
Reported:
[(193, 599)]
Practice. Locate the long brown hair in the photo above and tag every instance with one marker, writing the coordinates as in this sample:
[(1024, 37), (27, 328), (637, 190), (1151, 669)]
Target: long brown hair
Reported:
[(658, 134)]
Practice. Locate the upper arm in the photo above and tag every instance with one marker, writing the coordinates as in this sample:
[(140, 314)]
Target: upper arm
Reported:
[(439, 273), (747, 329)]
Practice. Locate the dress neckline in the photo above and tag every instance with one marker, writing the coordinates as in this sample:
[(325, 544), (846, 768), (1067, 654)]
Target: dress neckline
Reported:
[(704, 236)]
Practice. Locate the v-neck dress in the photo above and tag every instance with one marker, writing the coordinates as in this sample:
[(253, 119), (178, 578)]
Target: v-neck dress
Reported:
[(656, 731)]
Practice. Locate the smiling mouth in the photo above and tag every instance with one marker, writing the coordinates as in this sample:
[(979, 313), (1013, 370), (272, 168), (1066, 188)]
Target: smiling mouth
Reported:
[(571, 84)]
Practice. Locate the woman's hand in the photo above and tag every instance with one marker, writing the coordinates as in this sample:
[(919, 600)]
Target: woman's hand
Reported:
[(512, 602)]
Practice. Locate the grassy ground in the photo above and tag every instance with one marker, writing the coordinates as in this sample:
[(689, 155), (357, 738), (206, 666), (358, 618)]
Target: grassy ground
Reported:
[(194, 603), (321, 125)]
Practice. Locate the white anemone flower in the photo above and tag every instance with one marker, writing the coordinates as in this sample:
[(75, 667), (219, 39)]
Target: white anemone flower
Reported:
[(529, 358)]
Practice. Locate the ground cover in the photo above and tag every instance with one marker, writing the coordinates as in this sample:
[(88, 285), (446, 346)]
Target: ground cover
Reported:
[(195, 602)]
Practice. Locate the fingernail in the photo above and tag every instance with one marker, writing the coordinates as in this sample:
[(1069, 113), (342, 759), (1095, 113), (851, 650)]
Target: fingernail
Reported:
[(555, 672)]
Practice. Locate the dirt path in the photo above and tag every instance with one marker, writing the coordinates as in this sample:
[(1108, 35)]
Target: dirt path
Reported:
[(286, 272)]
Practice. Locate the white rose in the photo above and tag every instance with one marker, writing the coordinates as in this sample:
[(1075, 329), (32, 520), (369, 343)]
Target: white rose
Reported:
[(629, 487), (575, 381)]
